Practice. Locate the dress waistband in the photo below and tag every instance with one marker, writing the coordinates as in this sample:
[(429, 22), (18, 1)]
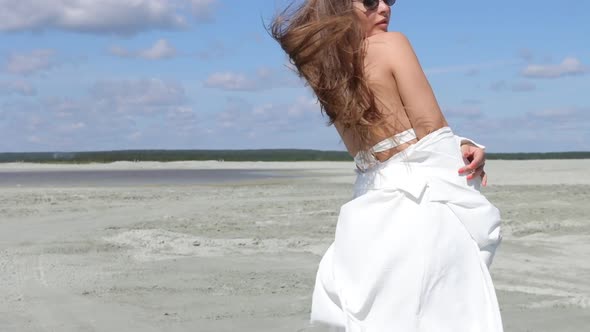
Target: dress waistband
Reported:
[(366, 159), (437, 154)]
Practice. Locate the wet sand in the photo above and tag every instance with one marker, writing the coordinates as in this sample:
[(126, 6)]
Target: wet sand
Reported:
[(241, 255)]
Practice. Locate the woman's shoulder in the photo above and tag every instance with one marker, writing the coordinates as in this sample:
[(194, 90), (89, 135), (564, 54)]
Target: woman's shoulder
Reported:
[(391, 47), (388, 39)]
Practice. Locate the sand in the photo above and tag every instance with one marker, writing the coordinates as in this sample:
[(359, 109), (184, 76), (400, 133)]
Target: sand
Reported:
[(242, 256)]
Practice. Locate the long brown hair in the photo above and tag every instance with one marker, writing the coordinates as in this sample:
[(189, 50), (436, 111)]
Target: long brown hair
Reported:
[(325, 43)]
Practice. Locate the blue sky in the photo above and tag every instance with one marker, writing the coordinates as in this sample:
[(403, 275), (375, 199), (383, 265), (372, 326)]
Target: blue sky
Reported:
[(203, 74)]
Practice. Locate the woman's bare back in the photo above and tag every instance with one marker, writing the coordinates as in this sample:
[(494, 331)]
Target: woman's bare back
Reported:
[(401, 90)]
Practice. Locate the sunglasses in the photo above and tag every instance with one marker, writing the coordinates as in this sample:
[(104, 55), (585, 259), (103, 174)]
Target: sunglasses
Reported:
[(373, 4)]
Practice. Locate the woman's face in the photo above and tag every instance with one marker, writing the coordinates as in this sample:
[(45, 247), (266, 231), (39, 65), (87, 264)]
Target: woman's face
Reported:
[(374, 21)]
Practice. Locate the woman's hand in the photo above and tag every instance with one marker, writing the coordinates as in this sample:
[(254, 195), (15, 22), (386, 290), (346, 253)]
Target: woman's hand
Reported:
[(477, 158)]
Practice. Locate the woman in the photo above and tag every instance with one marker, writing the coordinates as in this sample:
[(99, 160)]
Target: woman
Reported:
[(413, 246)]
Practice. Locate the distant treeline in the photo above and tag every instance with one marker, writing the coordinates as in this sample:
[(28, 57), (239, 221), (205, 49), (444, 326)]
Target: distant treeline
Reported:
[(231, 155)]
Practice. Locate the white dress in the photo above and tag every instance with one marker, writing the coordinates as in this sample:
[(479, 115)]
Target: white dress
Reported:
[(412, 248)]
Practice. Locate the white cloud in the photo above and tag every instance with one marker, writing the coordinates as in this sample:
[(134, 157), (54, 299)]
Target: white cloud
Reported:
[(142, 96), (33, 139), (521, 86), (231, 81), (472, 102), (303, 106), (17, 87), (135, 136), (263, 79), (116, 114), (526, 54), (498, 86), (161, 49), (33, 62), (63, 108), (463, 112), (554, 129), (101, 16), (202, 8), (239, 115), (292, 124), (69, 128), (561, 114), (214, 51), (120, 51), (469, 69), (569, 66)]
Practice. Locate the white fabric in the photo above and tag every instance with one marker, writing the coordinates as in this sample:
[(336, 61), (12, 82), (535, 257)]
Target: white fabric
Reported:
[(465, 140), (398, 139), (412, 248), (366, 159)]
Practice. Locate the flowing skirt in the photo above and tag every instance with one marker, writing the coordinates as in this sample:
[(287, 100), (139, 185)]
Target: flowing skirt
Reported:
[(412, 248)]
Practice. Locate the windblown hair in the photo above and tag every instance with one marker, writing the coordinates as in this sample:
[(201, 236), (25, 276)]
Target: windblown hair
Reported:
[(325, 43)]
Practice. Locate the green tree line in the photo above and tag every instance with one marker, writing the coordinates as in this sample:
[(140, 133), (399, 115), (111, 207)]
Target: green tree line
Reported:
[(231, 155)]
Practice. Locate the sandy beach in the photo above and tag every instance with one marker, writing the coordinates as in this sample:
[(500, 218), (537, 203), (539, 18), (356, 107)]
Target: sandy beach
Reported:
[(242, 255)]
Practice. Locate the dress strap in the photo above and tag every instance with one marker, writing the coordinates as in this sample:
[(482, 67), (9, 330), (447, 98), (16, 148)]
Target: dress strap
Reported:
[(365, 159), (389, 143)]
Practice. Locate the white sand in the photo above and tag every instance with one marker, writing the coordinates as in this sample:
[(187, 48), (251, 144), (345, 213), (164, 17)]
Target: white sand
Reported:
[(243, 256), (502, 172)]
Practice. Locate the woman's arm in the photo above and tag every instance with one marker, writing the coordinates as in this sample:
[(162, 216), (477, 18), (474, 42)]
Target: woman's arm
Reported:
[(415, 92), (420, 103)]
